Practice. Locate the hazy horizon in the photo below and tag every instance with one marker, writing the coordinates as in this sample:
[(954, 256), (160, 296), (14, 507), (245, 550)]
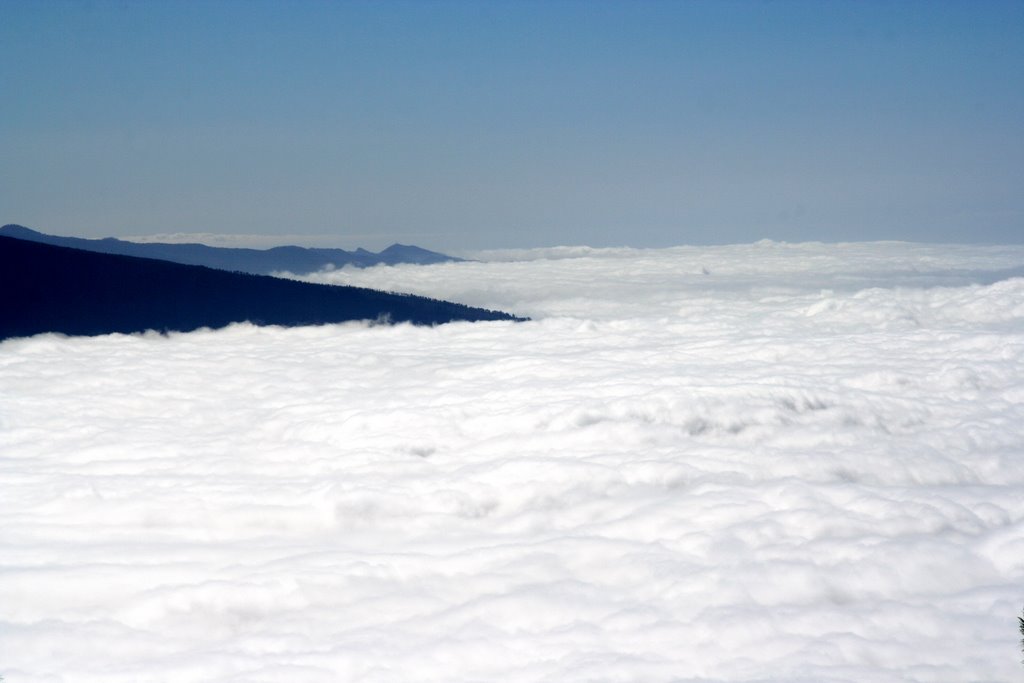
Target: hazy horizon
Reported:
[(375, 243)]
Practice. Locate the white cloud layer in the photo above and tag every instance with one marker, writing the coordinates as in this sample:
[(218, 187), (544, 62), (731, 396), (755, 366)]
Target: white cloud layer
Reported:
[(754, 463)]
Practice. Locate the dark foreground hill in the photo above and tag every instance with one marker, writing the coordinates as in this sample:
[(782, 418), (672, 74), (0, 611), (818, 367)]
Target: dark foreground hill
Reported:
[(298, 260), (46, 288)]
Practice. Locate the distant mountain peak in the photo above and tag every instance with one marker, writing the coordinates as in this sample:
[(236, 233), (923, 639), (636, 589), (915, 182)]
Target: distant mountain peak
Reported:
[(13, 230), (409, 253), (292, 259)]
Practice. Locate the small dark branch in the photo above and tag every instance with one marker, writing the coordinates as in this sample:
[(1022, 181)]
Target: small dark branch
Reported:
[(1020, 624)]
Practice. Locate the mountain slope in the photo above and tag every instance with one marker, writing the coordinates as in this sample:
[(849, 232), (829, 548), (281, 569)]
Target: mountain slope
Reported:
[(47, 288), (298, 260)]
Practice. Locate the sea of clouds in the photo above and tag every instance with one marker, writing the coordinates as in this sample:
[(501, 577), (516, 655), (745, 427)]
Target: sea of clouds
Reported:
[(765, 462)]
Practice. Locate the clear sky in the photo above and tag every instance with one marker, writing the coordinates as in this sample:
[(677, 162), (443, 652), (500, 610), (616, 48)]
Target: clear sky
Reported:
[(490, 124)]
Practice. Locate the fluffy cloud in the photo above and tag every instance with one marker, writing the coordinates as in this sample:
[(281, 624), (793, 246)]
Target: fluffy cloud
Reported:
[(761, 462), (686, 281)]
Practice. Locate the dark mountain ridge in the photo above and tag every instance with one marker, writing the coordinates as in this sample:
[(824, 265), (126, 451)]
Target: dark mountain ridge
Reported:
[(297, 260), (48, 288)]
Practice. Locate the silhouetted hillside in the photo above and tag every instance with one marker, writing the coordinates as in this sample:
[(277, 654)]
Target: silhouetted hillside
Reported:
[(298, 260), (47, 288)]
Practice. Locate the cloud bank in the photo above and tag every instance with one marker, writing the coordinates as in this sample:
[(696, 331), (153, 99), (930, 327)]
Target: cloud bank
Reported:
[(758, 463)]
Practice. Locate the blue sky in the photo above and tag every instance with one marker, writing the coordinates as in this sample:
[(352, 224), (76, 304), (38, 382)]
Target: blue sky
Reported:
[(490, 124)]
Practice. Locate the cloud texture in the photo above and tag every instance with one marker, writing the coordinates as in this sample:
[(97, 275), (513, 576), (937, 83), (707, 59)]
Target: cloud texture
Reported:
[(754, 463)]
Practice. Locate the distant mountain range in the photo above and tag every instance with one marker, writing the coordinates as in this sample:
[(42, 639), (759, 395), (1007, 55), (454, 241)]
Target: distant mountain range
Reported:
[(297, 260), (49, 288)]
